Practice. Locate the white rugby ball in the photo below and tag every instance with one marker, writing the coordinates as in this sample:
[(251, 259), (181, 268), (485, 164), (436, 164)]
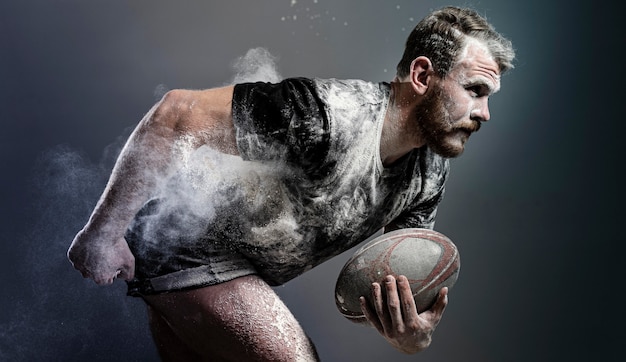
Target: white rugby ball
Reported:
[(428, 259)]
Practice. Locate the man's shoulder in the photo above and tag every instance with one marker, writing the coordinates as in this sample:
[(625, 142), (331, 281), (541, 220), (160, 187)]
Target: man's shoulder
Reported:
[(349, 93), (350, 85)]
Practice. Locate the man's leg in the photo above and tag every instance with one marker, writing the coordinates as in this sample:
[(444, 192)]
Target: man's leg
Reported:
[(240, 320)]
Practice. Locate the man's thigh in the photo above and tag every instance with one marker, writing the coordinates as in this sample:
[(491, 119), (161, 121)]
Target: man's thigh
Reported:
[(242, 319)]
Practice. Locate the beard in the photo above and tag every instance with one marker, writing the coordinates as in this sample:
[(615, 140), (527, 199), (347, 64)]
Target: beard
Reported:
[(438, 129)]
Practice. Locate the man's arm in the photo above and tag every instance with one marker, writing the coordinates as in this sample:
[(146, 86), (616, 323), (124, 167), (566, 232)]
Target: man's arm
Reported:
[(182, 121), (394, 313)]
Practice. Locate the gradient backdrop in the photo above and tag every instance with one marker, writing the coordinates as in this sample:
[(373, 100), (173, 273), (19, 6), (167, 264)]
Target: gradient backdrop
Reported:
[(533, 204)]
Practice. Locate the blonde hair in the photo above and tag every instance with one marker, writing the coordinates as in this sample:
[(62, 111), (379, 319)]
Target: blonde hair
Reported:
[(443, 34)]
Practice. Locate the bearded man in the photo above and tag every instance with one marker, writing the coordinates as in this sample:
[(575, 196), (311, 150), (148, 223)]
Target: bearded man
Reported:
[(266, 181)]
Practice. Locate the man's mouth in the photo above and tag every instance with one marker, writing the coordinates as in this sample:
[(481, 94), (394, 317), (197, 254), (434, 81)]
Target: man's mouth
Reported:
[(469, 129)]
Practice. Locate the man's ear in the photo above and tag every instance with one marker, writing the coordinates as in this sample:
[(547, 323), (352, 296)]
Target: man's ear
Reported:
[(421, 74)]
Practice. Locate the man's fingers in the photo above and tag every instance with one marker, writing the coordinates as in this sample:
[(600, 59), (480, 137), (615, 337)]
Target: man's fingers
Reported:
[(435, 313), (409, 310), (393, 303), (381, 307), (127, 272), (84, 273), (371, 315), (103, 280), (442, 301)]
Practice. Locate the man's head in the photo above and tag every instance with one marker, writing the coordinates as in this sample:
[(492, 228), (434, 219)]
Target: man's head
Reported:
[(453, 61), (442, 35)]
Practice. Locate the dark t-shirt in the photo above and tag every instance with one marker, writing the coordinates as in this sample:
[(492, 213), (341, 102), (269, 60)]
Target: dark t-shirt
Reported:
[(322, 187)]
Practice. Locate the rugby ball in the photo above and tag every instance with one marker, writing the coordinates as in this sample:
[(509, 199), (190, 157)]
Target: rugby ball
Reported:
[(428, 259)]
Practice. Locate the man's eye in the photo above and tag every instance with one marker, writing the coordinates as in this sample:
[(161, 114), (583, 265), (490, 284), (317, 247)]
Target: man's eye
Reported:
[(476, 91)]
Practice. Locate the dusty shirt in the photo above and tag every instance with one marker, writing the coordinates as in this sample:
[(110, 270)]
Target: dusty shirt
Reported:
[(318, 186)]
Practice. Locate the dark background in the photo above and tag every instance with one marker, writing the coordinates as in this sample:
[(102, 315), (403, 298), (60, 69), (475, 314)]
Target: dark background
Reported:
[(534, 204)]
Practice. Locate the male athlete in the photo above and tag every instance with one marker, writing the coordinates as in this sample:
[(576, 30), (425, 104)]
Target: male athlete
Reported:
[(265, 181)]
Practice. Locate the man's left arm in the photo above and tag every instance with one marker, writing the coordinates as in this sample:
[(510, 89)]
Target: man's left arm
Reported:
[(394, 313)]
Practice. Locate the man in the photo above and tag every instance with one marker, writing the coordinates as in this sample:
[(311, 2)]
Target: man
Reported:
[(265, 181)]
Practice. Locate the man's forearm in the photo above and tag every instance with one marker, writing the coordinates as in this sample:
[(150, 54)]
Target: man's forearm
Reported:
[(144, 160)]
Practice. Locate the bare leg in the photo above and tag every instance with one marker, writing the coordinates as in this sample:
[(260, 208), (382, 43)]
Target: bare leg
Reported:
[(241, 320)]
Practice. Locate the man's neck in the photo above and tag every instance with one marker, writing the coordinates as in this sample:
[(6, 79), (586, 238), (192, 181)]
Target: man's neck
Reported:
[(400, 134)]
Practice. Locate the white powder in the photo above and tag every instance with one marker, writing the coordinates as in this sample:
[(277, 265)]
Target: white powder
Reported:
[(257, 65)]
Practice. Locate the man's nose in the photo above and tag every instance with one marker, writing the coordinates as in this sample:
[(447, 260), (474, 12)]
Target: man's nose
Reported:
[(481, 111)]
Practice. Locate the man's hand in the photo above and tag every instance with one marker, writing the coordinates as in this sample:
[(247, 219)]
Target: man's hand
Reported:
[(395, 315), (101, 260)]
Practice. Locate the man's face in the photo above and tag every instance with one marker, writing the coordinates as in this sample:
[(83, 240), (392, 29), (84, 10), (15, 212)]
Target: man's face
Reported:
[(454, 107)]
